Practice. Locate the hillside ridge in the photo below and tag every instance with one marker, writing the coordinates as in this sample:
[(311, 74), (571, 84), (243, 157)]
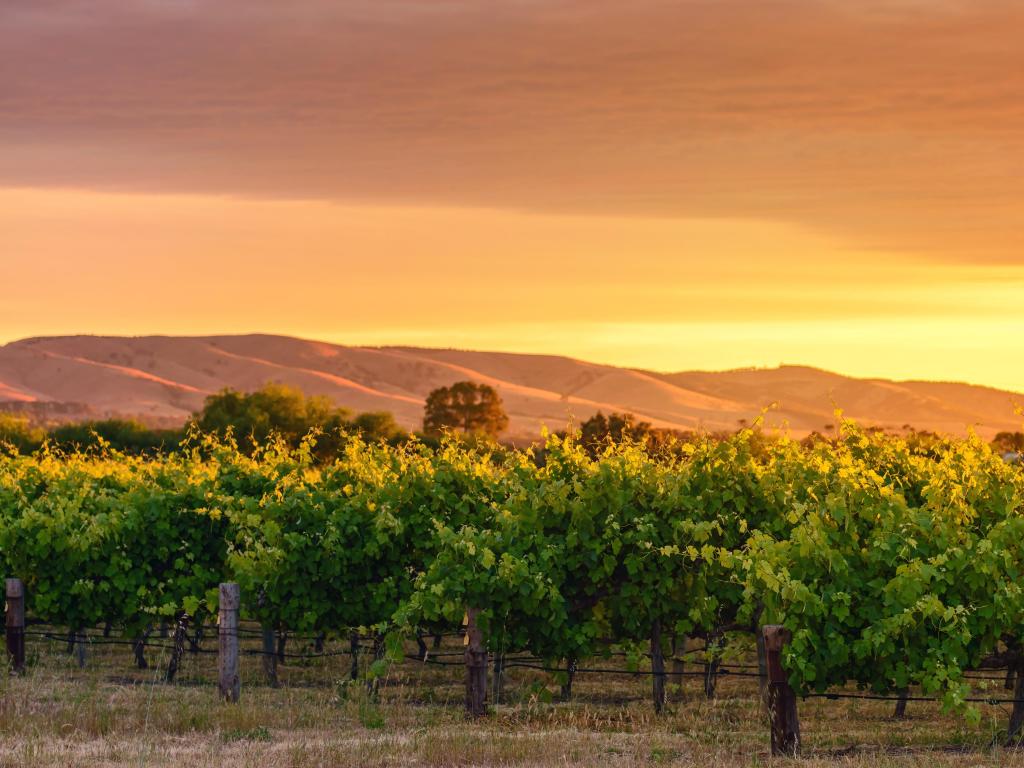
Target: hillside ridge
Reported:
[(161, 379)]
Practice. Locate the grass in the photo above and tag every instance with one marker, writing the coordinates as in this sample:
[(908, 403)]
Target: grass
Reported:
[(111, 714)]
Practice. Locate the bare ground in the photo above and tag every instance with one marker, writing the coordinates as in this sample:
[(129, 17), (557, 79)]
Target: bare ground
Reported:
[(110, 714)]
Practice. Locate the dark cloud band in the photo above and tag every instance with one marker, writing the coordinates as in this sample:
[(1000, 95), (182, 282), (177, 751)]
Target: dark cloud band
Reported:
[(897, 124)]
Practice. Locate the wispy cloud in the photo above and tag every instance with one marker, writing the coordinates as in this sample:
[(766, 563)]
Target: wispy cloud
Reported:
[(895, 124)]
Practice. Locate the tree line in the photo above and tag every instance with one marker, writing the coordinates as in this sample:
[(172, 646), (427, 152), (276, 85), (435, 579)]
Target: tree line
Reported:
[(275, 410), (470, 409)]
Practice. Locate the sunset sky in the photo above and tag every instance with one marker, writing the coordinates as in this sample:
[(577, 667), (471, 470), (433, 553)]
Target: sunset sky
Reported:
[(696, 184)]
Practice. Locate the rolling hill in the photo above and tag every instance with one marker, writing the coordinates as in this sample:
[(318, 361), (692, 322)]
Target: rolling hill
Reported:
[(162, 379)]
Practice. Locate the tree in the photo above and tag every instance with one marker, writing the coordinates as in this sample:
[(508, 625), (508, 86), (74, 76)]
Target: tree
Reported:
[(277, 409), (378, 425), (1009, 442), (16, 431), (124, 435), (599, 429), (597, 432), (273, 409), (475, 409)]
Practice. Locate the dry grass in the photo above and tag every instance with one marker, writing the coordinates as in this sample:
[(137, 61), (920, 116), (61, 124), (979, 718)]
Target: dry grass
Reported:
[(111, 714)]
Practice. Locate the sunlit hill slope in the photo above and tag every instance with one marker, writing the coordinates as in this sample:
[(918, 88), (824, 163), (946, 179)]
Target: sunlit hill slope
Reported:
[(161, 380)]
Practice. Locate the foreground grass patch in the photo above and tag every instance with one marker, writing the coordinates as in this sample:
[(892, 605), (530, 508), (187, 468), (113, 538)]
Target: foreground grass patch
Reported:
[(110, 715)]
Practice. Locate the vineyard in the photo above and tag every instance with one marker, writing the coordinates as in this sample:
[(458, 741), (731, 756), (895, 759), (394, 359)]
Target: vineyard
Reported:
[(867, 566)]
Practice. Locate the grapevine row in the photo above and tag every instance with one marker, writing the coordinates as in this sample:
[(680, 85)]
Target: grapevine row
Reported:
[(890, 564)]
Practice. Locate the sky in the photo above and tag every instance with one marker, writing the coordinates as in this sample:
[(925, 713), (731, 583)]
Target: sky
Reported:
[(695, 184)]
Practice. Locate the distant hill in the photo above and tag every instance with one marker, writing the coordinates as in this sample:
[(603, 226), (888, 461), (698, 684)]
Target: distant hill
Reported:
[(162, 379)]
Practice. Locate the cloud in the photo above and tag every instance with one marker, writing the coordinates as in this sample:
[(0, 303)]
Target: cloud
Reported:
[(897, 125)]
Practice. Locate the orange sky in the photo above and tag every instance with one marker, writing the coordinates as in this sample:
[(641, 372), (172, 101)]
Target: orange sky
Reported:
[(676, 185)]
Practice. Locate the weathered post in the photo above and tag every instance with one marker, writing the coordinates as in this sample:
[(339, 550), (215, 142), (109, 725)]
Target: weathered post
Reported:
[(269, 655), (353, 645), (379, 651), (15, 626), (80, 639), (678, 664), (227, 648), (139, 648), (1013, 732), (762, 669), (178, 647), (499, 674), (195, 642), (421, 646), (282, 643), (476, 666), (657, 667), (901, 705), (781, 696), (570, 675), (712, 664)]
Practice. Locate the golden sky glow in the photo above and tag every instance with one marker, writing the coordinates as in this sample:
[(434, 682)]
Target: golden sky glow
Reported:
[(675, 185)]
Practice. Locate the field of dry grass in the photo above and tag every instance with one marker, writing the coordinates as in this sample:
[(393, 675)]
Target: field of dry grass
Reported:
[(112, 714)]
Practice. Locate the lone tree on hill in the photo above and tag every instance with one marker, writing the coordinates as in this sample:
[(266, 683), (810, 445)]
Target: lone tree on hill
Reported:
[(467, 406)]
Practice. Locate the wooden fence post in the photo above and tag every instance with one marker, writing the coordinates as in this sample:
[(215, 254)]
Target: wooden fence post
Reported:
[(379, 651), (177, 647), (901, 705), (570, 675), (657, 667), (195, 642), (353, 644), (476, 666), (80, 650), (421, 646), (139, 648), (15, 626), (282, 643), (498, 676), (678, 664), (1013, 732), (227, 649), (762, 669), (781, 697), (269, 655), (712, 648)]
